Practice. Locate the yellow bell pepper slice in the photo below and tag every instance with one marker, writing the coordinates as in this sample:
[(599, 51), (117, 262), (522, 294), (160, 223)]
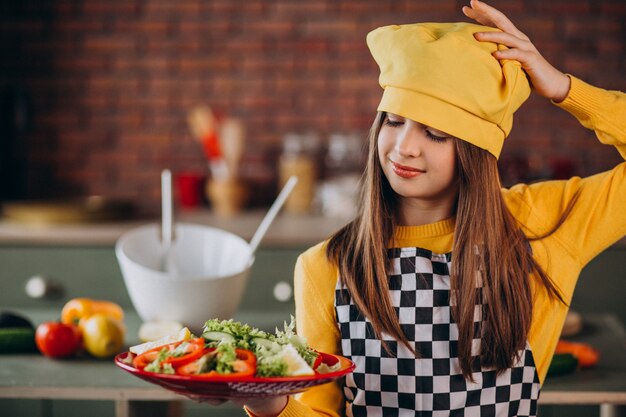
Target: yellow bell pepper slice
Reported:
[(79, 308)]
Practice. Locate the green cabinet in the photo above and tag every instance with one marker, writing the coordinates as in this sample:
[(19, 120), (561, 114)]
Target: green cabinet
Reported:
[(94, 272), (602, 284)]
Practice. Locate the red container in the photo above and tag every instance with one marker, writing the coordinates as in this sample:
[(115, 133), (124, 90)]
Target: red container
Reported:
[(190, 189)]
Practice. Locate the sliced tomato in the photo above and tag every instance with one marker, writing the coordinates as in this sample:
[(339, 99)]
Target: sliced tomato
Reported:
[(193, 350), (243, 366)]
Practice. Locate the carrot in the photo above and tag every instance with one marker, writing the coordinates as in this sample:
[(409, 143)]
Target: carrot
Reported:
[(587, 356)]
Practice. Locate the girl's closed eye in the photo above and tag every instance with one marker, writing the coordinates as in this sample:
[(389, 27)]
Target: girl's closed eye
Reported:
[(393, 123), (436, 138)]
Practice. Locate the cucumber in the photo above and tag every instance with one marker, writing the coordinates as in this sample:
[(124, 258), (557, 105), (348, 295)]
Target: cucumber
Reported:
[(261, 341), (17, 340), (562, 363), (10, 319), (218, 336)]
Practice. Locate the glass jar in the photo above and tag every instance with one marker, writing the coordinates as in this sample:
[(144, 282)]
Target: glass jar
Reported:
[(298, 158), (344, 164)]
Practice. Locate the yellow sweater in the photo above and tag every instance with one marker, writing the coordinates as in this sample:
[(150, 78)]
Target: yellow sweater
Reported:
[(598, 219)]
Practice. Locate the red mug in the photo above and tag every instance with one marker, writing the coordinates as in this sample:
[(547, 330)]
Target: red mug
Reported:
[(190, 189)]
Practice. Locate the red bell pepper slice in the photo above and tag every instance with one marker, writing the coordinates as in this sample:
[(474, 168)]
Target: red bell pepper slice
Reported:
[(318, 361), (587, 356), (144, 359), (243, 366), (193, 350)]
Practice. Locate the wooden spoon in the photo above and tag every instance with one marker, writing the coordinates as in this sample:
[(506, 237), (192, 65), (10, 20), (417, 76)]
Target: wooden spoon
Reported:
[(233, 138), (204, 128)]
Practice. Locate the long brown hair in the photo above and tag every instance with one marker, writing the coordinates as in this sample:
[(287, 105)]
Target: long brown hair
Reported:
[(487, 239)]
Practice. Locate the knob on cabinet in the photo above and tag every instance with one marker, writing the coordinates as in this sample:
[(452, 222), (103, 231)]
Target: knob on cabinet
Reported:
[(43, 287)]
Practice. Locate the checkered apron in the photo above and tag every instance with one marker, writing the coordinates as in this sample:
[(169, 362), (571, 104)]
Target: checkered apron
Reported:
[(399, 384)]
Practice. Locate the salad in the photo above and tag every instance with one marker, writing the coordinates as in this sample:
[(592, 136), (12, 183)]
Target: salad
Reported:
[(230, 349)]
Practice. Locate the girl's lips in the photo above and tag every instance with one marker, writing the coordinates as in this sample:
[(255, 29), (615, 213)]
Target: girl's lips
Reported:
[(406, 171)]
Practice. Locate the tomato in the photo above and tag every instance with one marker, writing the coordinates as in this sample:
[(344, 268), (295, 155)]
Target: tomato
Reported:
[(194, 348), (58, 340), (243, 366)]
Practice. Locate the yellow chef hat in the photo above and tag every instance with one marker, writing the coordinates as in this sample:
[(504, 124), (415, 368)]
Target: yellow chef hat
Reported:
[(438, 74)]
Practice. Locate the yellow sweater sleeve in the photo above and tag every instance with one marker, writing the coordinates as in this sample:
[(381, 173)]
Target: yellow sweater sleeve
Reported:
[(595, 219), (315, 279)]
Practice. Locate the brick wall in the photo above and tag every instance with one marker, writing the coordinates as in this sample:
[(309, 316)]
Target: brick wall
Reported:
[(108, 83)]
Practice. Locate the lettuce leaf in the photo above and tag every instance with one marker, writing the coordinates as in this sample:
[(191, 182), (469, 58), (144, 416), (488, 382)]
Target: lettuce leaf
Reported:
[(269, 361)]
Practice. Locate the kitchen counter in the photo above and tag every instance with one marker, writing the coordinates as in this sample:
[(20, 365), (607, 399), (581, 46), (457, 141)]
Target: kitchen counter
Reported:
[(35, 377), (286, 230), (603, 384)]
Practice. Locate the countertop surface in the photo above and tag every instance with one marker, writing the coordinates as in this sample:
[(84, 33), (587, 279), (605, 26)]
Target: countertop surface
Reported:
[(286, 230), (35, 376)]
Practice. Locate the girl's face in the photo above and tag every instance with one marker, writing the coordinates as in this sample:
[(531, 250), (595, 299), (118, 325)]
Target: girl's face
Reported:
[(418, 161)]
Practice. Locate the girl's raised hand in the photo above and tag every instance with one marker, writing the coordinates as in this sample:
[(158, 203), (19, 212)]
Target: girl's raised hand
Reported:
[(546, 80)]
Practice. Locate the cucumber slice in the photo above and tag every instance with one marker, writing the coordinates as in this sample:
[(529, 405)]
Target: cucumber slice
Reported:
[(17, 340), (261, 341), (218, 336)]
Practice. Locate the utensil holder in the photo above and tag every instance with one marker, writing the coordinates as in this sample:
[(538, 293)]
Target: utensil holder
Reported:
[(227, 196)]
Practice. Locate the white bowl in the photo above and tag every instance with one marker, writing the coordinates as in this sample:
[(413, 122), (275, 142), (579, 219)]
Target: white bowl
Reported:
[(212, 265)]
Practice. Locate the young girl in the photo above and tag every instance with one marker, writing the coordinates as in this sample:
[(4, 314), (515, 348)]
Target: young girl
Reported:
[(447, 291)]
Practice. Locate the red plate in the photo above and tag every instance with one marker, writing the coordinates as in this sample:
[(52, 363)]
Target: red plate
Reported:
[(245, 387)]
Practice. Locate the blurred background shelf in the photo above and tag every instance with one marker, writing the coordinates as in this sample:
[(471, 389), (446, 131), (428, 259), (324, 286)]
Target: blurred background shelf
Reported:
[(288, 230)]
